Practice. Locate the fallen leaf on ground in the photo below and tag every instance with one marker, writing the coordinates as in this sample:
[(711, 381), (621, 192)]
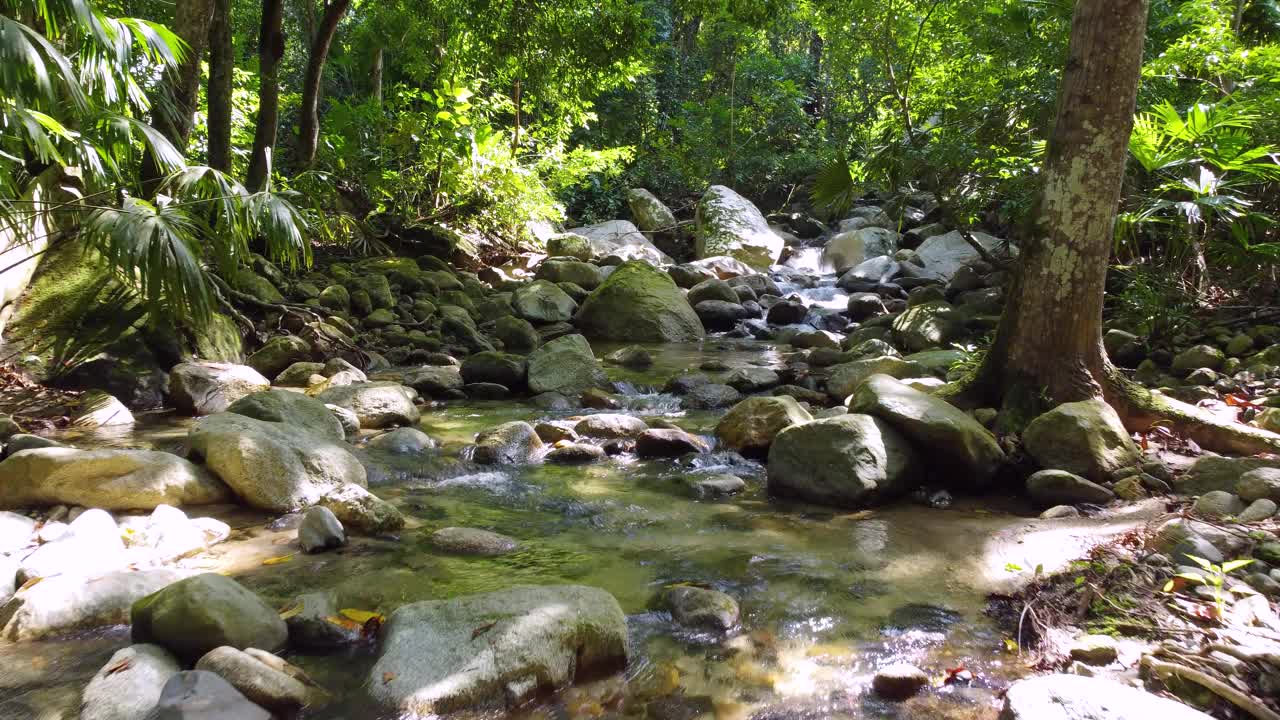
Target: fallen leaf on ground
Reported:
[(278, 560)]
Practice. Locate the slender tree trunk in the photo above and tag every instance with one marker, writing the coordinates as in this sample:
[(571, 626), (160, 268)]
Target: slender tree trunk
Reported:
[(173, 105), (515, 139), (375, 78), (309, 134), (221, 66), (270, 50), (1049, 344)]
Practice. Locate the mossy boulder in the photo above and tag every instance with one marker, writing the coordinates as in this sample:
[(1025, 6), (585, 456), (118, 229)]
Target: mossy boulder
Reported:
[(845, 461), (751, 426), (253, 284), (639, 303), (193, 616), (567, 366), (279, 353), (729, 224), (1085, 438), (543, 302), (495, 367)]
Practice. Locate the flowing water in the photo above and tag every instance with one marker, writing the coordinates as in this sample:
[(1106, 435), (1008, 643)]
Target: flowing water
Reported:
[(827, 596)]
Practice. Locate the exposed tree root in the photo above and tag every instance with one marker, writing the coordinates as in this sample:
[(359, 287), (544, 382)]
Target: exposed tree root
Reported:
[(1141, 409), (1165, 670)]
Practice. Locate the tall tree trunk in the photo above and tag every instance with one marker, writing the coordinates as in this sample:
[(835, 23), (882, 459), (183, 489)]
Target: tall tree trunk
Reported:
[(221, 66), (375, 77), (516, 99), (173, 104), (270, 50), (1048, 347), (309, 134), (1049, 343)]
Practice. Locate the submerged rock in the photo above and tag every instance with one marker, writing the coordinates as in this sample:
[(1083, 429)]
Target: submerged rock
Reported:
[(264, 679), (496, 650), (698, 607), (473, 541)]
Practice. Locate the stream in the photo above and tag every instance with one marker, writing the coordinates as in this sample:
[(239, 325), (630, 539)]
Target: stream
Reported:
[(827, 596)]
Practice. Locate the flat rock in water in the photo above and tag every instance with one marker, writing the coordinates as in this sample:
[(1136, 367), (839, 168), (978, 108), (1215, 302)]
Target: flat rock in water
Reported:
[(67, 603), (107, 478), (697, 607), (264, 685), (496, 650), (473, 541), (1073, 697)]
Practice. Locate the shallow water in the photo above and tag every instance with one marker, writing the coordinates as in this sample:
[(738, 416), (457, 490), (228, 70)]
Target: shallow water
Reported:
[(827, 596)]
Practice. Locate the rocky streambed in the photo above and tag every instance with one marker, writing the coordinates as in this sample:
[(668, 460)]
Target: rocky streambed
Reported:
[(599, 484)]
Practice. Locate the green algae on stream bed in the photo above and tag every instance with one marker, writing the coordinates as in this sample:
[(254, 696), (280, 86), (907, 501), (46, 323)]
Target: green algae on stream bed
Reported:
[(827, 596)]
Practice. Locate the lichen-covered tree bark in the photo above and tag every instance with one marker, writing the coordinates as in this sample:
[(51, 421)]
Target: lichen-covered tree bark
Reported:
[(1048, 347)]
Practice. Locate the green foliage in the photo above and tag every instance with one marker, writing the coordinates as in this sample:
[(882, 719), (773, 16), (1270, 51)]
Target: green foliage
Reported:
[(1215, 577), (70, 101)]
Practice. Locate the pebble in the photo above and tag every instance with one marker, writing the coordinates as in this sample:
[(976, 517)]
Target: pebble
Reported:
[(899, 681), (1094, 649)]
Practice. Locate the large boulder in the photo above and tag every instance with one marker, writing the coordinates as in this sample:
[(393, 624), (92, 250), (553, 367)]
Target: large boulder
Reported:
[(1085, 438), (638, 303), (279, 353), (565, 365), (622, 239), (650, 214), (1076, 697), (583, 274), (435, 381), (193, 616), (505, 369), (205, 388), (845, 461), (63, 604), (943, 255), (129, 685), (729, 224), (751, 426), (952, 439), (290, 408), (376, 404), (542, 301), (928, 325), (106, 478), (496, 650), (273, 466), (849, 249), (1215, 472), (844, 378)]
